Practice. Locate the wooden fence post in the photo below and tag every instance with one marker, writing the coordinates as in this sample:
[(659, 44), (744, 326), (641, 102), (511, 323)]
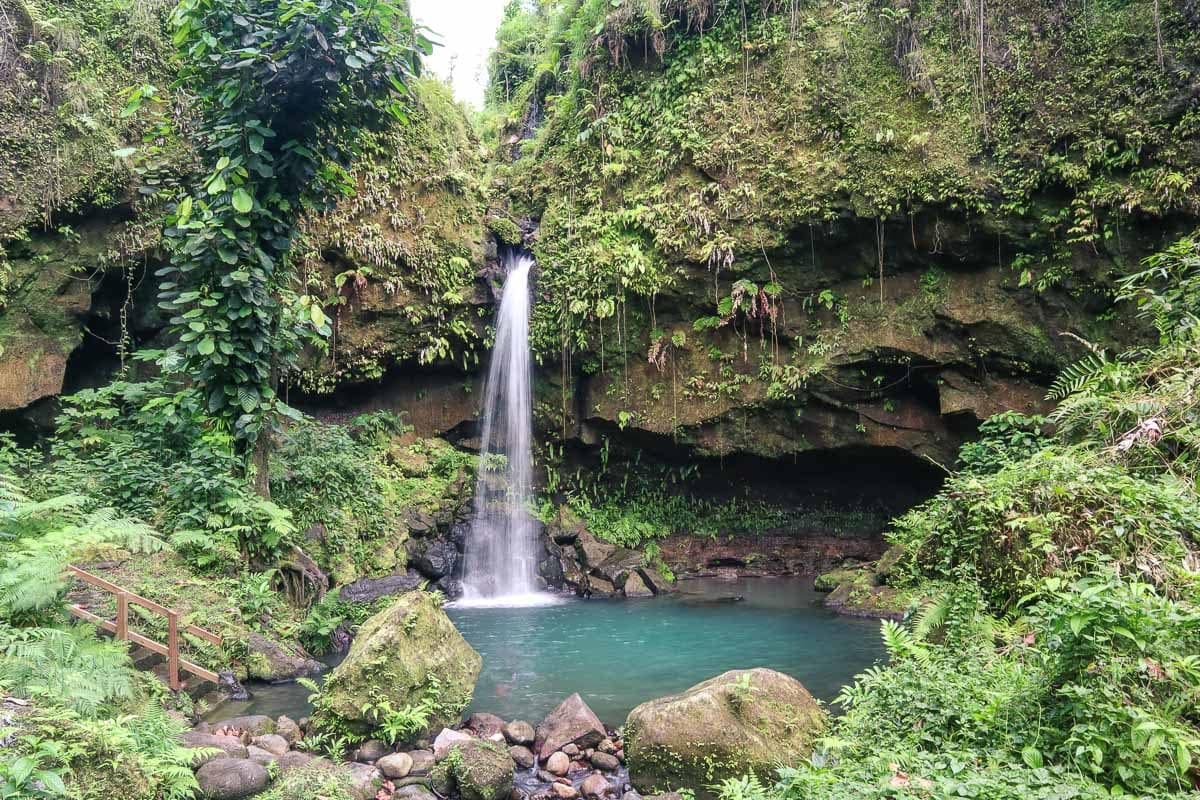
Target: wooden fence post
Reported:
[(122, 631), (173, 650)]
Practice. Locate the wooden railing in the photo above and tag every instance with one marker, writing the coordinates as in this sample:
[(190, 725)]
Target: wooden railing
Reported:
[(120, 627)]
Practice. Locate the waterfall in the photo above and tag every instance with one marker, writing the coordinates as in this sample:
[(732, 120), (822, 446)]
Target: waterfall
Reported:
[(501, 549)]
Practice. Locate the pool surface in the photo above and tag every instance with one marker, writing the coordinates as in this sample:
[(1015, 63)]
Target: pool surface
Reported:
[(618, 653)]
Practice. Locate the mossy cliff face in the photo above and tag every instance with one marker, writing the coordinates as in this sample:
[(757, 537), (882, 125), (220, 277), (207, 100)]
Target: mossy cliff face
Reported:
[(770, 229), (396, 264), (67, 214)]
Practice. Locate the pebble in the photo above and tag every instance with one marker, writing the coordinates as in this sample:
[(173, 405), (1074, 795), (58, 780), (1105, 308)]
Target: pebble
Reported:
[(558, 764), (395, 765), (606, 762), (595, 785), (522, 756)]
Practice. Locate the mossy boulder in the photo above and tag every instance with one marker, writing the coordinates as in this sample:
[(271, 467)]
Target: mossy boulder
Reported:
[(475, 770), (406, 653), (739, 722)]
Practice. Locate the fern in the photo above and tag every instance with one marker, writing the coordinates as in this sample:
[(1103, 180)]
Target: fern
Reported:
[(68, 667), (901, 643), (1078, 377), (932, 616)]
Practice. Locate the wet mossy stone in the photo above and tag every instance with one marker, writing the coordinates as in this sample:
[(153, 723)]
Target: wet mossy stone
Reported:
[(475, 770), (739, 722), (399, 656)]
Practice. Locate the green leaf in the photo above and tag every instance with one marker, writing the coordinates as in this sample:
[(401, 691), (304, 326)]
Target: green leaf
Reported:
[(317, 315), (1183, 758), (242, 201), (207, 346), (1076, 624), (256, 143), (1032, 757), (184, 211), (124, 152), (53, 783)]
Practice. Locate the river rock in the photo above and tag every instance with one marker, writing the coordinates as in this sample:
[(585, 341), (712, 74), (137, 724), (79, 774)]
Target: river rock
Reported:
[(260, 756), (395, 765), (365, 780), (231, 778), (571, 723), (595, 785), (632, 794), (231, 745), (447, 740), (371, 751), (592, 551), (253, 724), (519, 732), (286, 727), (522, 756), (572, 750), (396, 655), (423, 761), (368, 590), (432, 558), (269, 660), (607, 746), (635, 586), (605, 761), (738, 722), (413, 791), (273, 743), (293, 759), (484, 725), (476, 770), (558, 764), (563, 791)]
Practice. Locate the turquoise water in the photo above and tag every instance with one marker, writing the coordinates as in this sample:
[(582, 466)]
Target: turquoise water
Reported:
[(618, 653)]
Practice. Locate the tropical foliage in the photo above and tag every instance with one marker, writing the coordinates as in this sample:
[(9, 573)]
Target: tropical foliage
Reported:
[(1056, 656)]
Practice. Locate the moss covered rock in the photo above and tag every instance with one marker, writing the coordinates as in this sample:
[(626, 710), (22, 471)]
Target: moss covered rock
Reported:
[(739, 722), (408, 653), (476, 770)]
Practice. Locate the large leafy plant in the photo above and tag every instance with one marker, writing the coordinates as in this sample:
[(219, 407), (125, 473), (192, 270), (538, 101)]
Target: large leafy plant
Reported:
[(280, 92)]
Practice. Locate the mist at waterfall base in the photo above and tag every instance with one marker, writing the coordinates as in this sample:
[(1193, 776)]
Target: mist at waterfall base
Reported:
[(500, 566)]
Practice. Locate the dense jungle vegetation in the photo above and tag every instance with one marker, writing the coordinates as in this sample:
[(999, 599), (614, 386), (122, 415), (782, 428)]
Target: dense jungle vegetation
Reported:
[(677, 157)]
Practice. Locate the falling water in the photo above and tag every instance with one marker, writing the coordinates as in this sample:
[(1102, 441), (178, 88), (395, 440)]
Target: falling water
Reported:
[(501, 550)]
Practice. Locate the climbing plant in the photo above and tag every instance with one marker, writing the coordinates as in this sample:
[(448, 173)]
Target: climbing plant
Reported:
[(280, 93)]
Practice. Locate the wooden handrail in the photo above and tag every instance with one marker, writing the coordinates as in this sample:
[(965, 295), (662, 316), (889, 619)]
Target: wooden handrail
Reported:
[(120, 627)]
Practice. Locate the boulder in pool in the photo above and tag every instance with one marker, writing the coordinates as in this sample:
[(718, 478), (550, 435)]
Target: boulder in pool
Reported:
[(402, 655), (571, 723), (738, 722)]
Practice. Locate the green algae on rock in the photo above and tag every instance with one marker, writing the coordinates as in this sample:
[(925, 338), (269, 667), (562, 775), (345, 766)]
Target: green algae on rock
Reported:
[(744, 721), (408, 654)]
